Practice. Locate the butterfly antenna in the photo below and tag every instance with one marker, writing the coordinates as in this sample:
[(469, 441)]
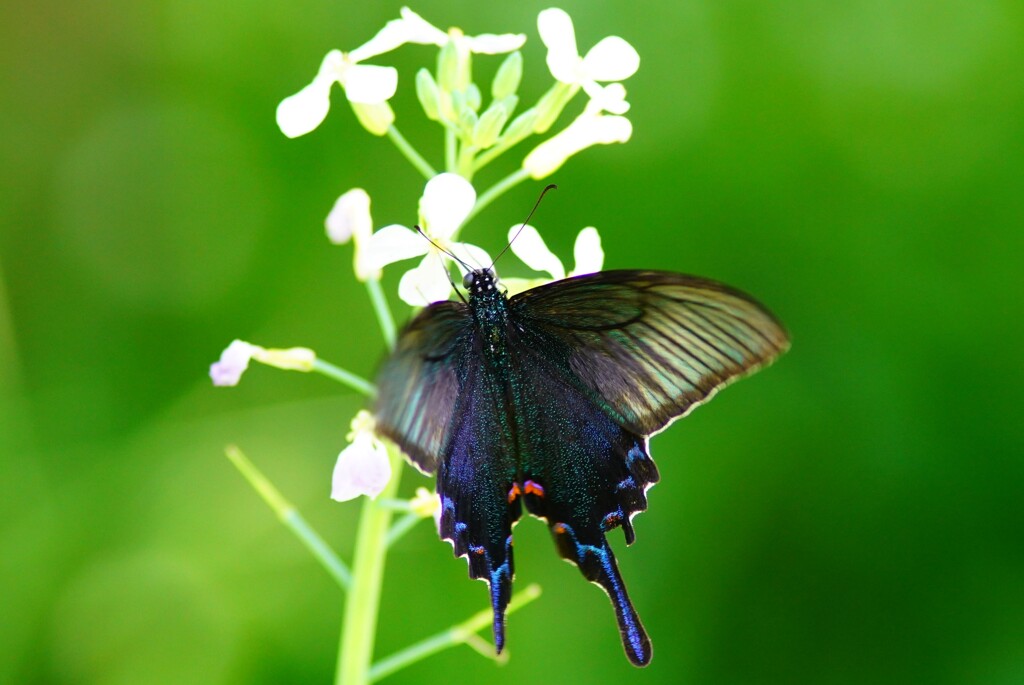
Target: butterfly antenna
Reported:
[(447, 274), (550, 186)]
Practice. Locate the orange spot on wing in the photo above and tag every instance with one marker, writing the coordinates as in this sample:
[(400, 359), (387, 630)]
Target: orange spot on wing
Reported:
[(558, 527), (532, 488), (514, 492)]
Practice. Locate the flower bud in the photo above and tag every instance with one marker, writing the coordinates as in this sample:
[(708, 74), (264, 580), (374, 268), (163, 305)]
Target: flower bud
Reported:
[(468, 120), (590, 128), (453, 67), (473, 98), (428, 94), (509, 103), (488, 128), (551, 104), (520, 128), (510, 73), (375, 118), (291, 359)]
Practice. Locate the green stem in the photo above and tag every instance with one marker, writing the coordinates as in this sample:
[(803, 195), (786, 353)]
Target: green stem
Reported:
[(348, 378), (465, 163), (383, 312), (359, 625), (449, 149), (458, 634), (291, 518), (401, 527), (406, 148), (497, 190)]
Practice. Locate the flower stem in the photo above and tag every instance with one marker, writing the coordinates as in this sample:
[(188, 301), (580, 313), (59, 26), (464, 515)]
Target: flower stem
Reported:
[(461, 633), (497, 190), (357, 383), (410, 153), (401, 527), (380, 307), (359, 625), (449, 149), (291, 518)]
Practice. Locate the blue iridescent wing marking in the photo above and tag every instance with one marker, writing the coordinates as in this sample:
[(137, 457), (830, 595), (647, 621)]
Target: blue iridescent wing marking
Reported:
[(418, 386), (652, 344)]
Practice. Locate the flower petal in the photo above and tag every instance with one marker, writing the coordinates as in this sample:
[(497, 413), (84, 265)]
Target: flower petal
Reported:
[(612, 59), (425, 284), (233, 362), (532, 251), (299, 114), (494, 44), (587, 252), (475, 257), (394, 34), (447, 201), (556, 31), (302, 112), (389, 245), (610, 98), (349, 216), (368, 84), (419, 30), (362, 468), (557, 34)]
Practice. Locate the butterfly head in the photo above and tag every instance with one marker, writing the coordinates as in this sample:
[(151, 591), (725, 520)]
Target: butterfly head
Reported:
[(480, 282)]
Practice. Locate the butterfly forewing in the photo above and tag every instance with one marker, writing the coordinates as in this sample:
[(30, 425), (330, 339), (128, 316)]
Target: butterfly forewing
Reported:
[(418, 386), (652, 344)]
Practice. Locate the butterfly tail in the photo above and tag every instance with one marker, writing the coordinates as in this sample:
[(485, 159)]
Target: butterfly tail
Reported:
[(499, 579), (490, 561), (597, 563)]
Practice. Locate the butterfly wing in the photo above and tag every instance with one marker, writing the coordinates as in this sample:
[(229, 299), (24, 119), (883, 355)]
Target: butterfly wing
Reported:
[(606, 360), (476, 477), (582, 472), (653, 345), (418, 385), (446, 406)]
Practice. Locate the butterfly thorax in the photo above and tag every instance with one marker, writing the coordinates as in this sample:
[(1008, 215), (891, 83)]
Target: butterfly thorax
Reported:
[(489, 306)]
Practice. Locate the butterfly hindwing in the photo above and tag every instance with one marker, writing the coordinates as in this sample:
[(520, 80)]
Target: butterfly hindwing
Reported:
[(582, 472), (653, 344), (476, 477), (445, 405)]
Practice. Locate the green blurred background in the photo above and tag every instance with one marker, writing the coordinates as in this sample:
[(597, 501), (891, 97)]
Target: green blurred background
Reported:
[(851, 515)]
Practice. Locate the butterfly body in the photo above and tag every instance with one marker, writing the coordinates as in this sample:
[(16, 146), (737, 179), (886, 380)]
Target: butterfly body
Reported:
[(546, 400)]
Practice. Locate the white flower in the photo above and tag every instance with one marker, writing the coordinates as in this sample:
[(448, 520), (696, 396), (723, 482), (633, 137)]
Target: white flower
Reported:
[(532, 251), (349, 219), (446, 202), (233, 362), (363, 468), (589, 128), (363, 84), (235, 358), (612, 59)]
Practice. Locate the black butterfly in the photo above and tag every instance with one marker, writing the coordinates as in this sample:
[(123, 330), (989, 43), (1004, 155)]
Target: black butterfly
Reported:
[(547, 399)]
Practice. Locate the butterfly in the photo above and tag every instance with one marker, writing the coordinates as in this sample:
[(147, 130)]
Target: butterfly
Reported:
[(546, 400)]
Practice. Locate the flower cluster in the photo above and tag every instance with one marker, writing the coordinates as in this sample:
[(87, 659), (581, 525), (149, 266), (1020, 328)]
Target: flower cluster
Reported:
[(475, 133)]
